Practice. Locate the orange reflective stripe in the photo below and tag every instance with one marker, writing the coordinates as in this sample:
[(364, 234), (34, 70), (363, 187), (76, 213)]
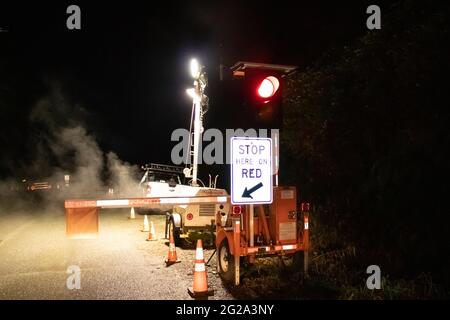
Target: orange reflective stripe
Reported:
[(73, 204)]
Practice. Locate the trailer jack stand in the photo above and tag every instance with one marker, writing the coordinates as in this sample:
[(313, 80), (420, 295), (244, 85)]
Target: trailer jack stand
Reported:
[(166, 229), (207, 262)]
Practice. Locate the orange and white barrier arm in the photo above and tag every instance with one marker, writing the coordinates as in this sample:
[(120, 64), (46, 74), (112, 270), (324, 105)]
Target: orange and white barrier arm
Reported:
[(142, 202)]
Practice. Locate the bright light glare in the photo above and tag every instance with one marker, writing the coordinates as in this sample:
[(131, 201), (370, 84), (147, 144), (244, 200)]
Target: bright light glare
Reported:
[(192, 94), (195, 69), (268, 87)]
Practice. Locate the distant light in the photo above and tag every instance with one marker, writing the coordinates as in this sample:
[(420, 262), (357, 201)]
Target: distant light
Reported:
[(192, 94), (268, 87), (195, 69)]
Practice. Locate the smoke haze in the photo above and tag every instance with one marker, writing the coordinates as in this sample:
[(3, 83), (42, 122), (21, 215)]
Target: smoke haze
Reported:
[(60, 144)]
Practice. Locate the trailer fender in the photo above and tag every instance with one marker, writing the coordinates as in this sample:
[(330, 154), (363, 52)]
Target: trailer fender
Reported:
[(222, 235)]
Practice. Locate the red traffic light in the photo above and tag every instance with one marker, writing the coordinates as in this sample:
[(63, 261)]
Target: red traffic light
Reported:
[(268, 87)]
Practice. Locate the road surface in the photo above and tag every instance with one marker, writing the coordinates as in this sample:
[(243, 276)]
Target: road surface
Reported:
[(120, 264)]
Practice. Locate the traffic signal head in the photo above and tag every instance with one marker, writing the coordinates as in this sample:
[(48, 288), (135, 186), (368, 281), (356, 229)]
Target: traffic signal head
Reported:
[(268, 87), (262, 86), (264, 95)]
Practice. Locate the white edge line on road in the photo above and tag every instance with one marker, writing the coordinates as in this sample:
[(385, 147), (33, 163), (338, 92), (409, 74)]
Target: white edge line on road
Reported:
[(15, 232)]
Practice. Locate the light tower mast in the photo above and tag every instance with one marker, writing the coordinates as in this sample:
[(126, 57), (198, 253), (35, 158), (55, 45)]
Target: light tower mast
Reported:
[(199, 105)]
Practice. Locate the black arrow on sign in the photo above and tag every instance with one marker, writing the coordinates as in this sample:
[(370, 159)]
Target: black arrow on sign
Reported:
[(248, 193)]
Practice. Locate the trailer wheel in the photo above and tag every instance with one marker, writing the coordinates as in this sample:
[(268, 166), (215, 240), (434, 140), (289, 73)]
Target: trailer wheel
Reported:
[(225, 261), (176, 233), (299, 260), (293, 262)]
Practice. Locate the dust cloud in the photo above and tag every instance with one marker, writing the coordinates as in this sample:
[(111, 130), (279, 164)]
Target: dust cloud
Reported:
[(60, 145)]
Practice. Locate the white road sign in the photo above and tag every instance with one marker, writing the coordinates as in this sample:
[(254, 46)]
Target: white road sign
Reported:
[(251, 170)]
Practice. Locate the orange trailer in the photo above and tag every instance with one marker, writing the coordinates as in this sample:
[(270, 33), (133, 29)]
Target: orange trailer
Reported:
[(252, 231)]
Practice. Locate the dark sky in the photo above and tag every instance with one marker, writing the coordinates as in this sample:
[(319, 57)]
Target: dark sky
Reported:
[(128, 67)]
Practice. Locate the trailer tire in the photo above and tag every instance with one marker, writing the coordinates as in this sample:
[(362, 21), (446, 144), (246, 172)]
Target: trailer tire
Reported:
[(225, 261), (295, 262), (176, 232), (299, 260)]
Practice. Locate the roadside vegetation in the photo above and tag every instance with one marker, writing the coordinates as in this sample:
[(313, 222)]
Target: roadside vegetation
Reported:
[(365, 139)]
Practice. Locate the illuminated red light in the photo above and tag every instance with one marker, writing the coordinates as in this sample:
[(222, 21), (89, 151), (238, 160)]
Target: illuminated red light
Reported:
[(305, 206), (237, 209), (268, 87), (189, 216)]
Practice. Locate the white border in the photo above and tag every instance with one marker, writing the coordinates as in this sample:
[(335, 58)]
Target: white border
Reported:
[(271, 170)]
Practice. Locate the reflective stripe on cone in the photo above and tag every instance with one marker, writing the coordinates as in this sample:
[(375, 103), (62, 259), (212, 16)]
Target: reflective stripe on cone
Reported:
[(200, 288), (172, 256)]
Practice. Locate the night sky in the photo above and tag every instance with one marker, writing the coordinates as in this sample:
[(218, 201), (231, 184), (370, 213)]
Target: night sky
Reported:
[(124, 74)]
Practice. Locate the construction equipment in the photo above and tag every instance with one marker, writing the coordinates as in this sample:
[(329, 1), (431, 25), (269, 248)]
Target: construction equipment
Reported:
[(183, 220), (249, 232), (166, 181), (195, 219), (242, 233), (160, 180)]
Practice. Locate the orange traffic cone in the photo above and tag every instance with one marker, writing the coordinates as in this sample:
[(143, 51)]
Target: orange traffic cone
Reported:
[(146, 226), (151, 234), (200, 287), (132, 216), (172, 257)]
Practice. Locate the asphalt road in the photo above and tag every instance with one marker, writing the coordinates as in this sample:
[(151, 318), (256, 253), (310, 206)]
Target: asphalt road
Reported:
[(120, 264)]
